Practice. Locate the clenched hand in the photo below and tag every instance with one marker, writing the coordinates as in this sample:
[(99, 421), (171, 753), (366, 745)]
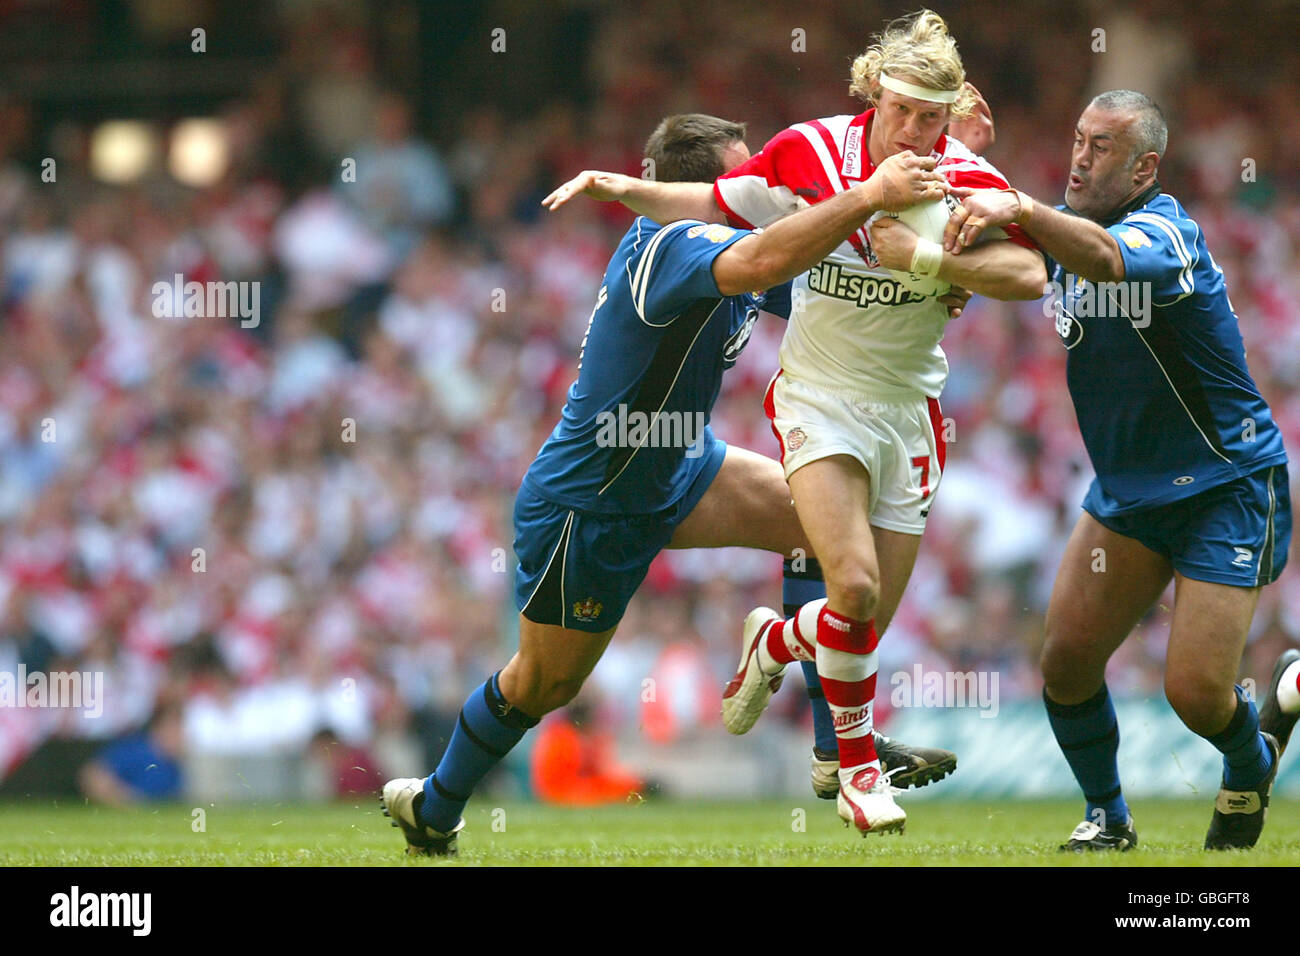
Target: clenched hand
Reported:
[(893, 243), (980, 209), (904, 180)]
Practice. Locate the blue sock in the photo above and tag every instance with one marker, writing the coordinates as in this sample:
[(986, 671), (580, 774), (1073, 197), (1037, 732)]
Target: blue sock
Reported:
[(797, 589), (1088, 735), (1246, 758), (823, 728), (486, 731)]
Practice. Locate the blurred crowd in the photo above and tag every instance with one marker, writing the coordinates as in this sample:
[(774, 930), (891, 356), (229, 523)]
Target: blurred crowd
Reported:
[(296, 531)]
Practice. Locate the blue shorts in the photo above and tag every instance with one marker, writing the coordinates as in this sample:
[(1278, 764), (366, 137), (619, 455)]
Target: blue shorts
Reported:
[(1237, 533), (579, 569)]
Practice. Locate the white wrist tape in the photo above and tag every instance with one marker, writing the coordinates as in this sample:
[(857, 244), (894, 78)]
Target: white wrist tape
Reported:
[(927, 258)]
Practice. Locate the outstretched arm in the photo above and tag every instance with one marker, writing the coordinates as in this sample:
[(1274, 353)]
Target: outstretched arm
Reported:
[(662, 202), (999, 270), (1080, 245)]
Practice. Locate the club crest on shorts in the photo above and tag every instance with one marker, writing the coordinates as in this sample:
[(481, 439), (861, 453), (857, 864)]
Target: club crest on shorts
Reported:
[(587, 610), (794, 439)]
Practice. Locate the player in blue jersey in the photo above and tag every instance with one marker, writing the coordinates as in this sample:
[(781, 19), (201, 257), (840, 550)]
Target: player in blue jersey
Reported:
[(633, 467), (1191, 476)]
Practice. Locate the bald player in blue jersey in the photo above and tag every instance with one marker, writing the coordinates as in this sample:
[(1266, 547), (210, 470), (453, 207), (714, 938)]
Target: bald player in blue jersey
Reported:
[(1191, 476), (633, 467)]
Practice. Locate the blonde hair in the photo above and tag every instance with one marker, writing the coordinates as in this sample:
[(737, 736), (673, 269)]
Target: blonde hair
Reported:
[(918, 48)]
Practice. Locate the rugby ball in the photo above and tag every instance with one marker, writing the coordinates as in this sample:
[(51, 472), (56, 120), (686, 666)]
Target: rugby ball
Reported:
[(927, 219)]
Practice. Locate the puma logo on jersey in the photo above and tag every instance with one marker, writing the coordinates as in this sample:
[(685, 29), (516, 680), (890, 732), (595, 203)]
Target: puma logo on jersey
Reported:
[(813, 193)]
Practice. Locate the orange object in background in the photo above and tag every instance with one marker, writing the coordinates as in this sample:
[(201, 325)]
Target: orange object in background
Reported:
[(576, 767), (683, 696)]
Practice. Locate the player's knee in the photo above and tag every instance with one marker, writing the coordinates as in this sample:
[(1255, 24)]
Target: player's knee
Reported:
[(560, 691), (1200, 701), (1069, 673), (536, 691), (547, 691), (549, 695), (1052, 663), (857, 588)]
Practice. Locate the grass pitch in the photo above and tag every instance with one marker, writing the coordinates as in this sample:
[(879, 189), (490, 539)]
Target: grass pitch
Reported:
[(770, 833)]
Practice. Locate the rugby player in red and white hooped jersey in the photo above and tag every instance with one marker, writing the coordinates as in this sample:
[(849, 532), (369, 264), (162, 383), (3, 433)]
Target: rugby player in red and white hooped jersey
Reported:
[(854, 404)]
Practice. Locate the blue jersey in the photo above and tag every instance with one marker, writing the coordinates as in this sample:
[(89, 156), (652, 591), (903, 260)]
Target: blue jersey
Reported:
[(1157, 369), (634, 432)]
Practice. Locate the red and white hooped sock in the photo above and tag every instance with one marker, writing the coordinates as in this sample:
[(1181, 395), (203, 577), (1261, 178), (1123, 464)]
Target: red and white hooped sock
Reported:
[(846, 663), (795, 638)]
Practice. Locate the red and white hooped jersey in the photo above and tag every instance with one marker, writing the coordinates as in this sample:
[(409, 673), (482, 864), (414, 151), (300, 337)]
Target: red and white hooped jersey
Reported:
[(852, 325)]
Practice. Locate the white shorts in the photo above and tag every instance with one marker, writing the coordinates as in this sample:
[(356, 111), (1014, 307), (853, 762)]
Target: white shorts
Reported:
[(900, 444)]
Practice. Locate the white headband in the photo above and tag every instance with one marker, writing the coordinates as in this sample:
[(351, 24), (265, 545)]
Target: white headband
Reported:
[(918, 92)]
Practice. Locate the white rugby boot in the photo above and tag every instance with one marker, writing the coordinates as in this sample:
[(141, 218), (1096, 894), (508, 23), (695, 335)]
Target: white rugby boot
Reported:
[(398, 802), (867, 802), (749, 692)]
